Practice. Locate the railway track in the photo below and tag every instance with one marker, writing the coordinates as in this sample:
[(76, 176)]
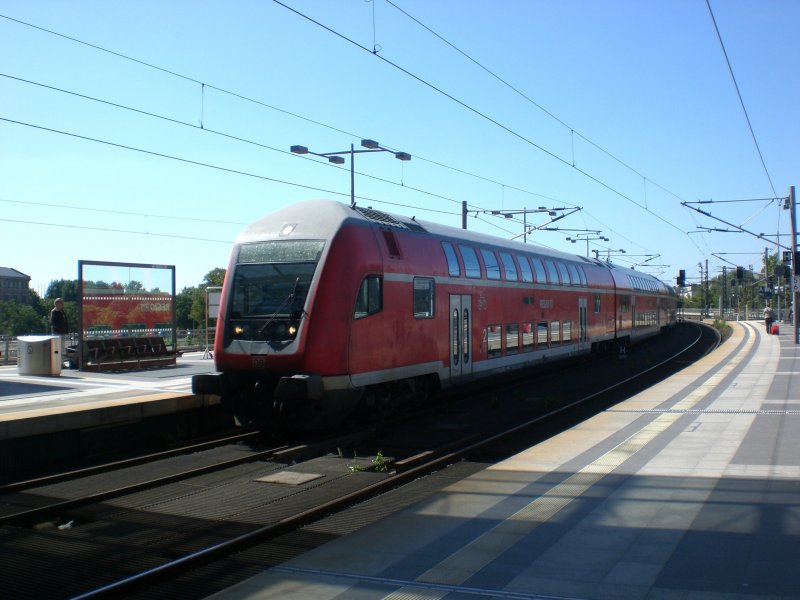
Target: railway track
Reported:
[(223, 524)]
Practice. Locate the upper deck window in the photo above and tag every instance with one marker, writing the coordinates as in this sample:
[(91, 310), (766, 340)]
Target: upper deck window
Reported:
[(453, 268), (552, 272), (525, 268), (582, 276), (562, 270), (490, 261), (509, 266), (471, 264), (539, 268), (573, 273)]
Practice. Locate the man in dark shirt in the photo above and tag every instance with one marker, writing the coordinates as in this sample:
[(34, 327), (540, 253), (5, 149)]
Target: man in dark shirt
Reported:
[(58, 319), (60, 327)]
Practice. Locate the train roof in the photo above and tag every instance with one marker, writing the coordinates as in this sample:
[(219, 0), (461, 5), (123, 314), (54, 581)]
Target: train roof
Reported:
[(330, 215)]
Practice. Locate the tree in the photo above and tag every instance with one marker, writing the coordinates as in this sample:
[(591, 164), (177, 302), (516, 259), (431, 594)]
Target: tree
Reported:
[(18, 319), (214, 278), (183, 307), (66, 289), (190, 303), (21, 319)]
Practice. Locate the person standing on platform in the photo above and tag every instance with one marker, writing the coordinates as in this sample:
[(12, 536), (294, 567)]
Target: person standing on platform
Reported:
[(768, 318), (59, 325)]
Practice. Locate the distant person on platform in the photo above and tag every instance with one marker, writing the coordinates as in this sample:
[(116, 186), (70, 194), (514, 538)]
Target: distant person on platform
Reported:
[(59, 325), (768, 318)]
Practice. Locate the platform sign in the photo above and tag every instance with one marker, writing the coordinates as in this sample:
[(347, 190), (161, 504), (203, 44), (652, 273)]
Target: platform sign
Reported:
[(212, 312), (213, 304)]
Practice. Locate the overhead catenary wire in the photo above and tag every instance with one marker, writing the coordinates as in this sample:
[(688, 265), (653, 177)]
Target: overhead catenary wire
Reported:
[(119, 212), (490, 119), (741, 100), (257, 102), (515, 89), (231, 93), (208, 165), (203, 85)]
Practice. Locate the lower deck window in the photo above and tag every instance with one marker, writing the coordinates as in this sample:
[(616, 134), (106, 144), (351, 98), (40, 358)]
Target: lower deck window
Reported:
[(423, 298), (527, 337), (566, 330), (494, 341), (555, 332), (541, 335), (512, 339)]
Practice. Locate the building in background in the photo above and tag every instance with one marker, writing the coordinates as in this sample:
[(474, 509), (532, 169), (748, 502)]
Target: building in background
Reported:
[(14, 286)]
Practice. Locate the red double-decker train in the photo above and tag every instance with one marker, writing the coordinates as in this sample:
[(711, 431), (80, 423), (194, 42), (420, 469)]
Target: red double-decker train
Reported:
[(329, 309)]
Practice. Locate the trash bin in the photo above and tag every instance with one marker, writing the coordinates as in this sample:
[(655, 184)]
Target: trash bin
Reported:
[(39, 355)]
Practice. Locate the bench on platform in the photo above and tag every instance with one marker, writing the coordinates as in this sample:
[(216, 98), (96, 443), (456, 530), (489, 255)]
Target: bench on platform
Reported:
[(127, 353)]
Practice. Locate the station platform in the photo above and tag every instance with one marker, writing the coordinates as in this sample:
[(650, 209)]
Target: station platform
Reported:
[(35, 405), (688, 490)]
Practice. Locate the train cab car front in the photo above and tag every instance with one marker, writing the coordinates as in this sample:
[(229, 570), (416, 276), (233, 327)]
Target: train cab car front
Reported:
[(276, 297)]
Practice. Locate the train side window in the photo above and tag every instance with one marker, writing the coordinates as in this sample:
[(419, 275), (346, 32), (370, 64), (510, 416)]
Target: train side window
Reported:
[(512, 339), (539, 268), (453, 268), (525, 269), (582, 276), (565, 275), (527, 337), (370, 297), (542, 340), (573, 273), (494, 341), (424, 297), (509, 267), (566, 330), (471, 264), (491, 264), (552, 272), (555, 332), (596, 303)]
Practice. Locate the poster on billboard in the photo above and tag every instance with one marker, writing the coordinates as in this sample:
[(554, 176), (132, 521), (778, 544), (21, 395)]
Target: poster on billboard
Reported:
[(126, 300)]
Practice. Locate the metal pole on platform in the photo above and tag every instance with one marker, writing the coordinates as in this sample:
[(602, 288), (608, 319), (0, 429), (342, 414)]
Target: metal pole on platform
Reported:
[(795, 266)]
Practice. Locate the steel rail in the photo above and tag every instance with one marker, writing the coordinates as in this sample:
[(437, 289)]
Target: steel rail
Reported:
[(262, 534), (125, 462)]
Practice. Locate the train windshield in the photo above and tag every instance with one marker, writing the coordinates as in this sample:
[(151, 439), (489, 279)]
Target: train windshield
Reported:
[(272, 279)]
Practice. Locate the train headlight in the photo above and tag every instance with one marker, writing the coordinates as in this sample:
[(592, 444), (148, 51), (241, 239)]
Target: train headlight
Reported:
[(292, 330), (238, 330)]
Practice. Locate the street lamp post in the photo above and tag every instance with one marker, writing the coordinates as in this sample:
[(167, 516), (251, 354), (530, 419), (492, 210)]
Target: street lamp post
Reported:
[(337, 159)]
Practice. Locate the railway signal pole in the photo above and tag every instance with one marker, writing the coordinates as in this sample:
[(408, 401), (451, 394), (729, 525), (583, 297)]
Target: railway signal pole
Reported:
[(795, 256)]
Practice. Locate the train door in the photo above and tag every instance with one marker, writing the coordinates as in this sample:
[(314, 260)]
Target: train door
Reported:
[(460, 336), (583, 319)]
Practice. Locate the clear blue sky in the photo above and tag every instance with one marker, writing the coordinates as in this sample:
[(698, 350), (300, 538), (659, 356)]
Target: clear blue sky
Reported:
[(635, 94)]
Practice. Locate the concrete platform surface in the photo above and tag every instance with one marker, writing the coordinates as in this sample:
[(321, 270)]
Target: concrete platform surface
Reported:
[(688, 490), (31, 405)]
